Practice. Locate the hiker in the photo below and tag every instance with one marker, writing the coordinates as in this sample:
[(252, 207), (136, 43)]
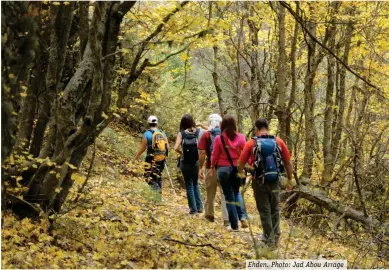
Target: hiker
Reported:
[(157, 145), (186, 146), (226, 150), (211, 184), (269, 156)]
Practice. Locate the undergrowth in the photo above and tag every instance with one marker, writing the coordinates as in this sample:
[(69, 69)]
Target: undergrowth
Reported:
[(118, 222)]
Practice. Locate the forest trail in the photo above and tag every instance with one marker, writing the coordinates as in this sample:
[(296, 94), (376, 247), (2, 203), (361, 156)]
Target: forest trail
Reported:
[(119, 222)]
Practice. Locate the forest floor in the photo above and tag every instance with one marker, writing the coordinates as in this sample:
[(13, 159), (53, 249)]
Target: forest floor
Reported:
[(118, 222)]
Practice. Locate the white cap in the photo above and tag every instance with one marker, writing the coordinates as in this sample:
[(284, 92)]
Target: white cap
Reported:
[(152, 119), (214, 121)]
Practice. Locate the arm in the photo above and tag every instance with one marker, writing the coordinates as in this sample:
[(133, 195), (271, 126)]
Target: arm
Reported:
[(202, 156), (142, 148), (202, 126), (289, 169), (286, 158), (244, 157), (177, 146)]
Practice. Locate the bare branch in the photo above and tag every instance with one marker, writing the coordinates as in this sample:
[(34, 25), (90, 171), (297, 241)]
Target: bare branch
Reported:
[(301, 22)]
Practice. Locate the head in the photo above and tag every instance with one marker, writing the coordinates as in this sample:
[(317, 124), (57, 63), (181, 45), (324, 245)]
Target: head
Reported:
[(228, 126), (261, 125), (214, 121), (187, 122), (152, 120)]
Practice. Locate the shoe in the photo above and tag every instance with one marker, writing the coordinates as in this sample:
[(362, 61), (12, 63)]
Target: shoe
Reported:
[(244, 223), (233, 230), (210, 218), (200, 210), (226, 223), (192, 213)]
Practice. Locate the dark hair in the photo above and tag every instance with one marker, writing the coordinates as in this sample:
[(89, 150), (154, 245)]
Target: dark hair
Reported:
[(261, 123), (229, 126), (152, 124), (187, 122)]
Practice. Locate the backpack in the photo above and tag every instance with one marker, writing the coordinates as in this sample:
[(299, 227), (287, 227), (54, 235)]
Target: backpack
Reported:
[(158, 146), (213, 133), (189, 147), (267, 158)]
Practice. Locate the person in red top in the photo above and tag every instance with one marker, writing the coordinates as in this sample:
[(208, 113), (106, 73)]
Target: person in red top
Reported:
[(225, 154), (266, 193)]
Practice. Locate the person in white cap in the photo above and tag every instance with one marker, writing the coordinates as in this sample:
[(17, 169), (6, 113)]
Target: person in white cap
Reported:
[(156, 143), (211, 183)]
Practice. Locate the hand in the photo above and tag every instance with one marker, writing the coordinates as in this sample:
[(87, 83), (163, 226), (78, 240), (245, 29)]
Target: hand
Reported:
[(242, 175), (213, 172), (201, 173), (289, 185)]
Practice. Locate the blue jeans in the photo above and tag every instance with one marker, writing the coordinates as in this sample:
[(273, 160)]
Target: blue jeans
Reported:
[(230, 185), (191, 176)]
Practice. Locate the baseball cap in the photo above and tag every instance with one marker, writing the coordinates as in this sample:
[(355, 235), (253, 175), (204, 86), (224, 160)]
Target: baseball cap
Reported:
[(152, 119), (214, 120)]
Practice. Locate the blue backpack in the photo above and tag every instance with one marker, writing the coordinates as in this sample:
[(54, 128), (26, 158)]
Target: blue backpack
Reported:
[(268, 158), (214, 132)]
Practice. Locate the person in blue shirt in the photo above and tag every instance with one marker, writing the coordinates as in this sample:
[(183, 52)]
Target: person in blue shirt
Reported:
[(153, 169)]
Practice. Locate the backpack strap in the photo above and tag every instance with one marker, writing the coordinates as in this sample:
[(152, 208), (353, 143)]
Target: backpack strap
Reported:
[(208, 143), (225, 149)]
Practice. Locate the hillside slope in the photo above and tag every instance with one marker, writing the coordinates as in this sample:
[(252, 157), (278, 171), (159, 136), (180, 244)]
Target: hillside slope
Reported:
[(118, 222)]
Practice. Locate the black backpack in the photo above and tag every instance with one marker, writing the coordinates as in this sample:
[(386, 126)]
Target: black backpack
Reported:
[(189, 147), (213, 133)]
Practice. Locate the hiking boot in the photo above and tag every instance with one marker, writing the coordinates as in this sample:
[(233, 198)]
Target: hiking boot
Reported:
[(210, 218), (244, 223), (226, 223)]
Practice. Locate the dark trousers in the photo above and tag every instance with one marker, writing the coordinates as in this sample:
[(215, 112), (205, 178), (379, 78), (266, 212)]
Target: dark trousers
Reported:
[(267, 197), (153, 173)]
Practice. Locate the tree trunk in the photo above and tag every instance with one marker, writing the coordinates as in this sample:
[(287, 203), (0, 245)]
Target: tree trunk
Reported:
[(19, 47), (60, 22), (328, 113), (314, 60), (309, 104), (281, 74), (27, 112), (341, 100), (93, 78), (257, 84), (215, 76), (320, 199), (294, 82), (84, 25), (238, 80)]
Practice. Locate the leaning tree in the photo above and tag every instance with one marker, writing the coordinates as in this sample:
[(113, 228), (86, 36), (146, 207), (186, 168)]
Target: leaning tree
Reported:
[(58, 62)]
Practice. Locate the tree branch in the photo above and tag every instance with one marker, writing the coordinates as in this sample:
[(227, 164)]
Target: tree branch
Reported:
[(167, 57), (301, 22)]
